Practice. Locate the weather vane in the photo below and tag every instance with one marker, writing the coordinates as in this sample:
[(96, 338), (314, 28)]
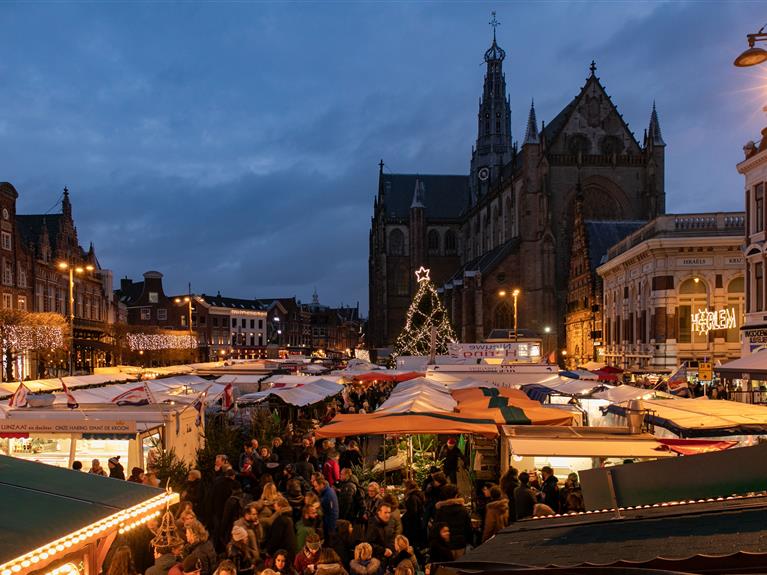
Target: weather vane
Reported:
[(494, 22)]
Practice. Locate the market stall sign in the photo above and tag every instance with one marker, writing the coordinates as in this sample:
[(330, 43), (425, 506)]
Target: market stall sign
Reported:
[(524, 351), (706, 320), (66, 426)]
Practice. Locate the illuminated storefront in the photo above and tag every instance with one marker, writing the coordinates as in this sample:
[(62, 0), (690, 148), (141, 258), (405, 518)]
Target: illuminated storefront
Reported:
[(674, 292)]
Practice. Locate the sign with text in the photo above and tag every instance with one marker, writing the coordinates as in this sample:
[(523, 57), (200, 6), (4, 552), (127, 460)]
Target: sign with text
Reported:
[(705, 373), (706, 320), (20, 425), (515, 351)]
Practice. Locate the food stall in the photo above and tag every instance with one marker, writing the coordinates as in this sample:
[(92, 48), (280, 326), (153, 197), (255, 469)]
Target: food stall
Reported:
[(62, 522)]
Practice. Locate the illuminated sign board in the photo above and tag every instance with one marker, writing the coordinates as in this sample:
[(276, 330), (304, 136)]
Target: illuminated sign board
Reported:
[(517, 351), (705, 320)]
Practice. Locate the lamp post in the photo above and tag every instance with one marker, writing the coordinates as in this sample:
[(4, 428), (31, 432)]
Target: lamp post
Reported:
[(515, 295), (547, 332), (753, 55), (72, 270)]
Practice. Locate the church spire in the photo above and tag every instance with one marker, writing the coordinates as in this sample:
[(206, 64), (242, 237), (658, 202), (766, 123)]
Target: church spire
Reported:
[(531, 135), (418, 194), (493, 147), (654, 135)]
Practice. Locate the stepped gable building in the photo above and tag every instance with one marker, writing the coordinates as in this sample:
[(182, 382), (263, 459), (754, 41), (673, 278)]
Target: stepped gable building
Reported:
[(31, 248), (509, 223)]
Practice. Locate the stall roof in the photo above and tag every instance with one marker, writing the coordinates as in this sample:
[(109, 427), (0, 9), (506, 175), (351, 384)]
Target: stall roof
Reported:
[(703, 537), (582, 442), (406, 424), (749, 366), (703, 417), (624, 393), (72, 381), (510, 406), (300, 395), (42, 503), (418, 395), (560, 385)]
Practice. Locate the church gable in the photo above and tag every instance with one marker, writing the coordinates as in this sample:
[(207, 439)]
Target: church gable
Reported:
[(590, 125)]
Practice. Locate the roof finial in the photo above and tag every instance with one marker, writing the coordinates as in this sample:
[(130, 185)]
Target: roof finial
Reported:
[(494, 23), (380, 166), (593, 67), (66, 191)]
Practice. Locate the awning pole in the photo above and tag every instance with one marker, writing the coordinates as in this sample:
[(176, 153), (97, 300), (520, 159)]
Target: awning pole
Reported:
[(72, 449)]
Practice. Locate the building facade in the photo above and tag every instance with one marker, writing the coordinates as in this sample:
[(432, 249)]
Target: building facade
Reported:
[(674, 292), (754, 169), (508, 223), (33, 247)]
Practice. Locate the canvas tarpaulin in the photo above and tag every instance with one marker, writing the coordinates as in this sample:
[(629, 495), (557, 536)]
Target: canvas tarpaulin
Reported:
[(299, 395), (703, 417), (509, 407), (406, 424)]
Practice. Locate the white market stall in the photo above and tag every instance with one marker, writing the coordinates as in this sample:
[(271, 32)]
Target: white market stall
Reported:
[(100, 429)]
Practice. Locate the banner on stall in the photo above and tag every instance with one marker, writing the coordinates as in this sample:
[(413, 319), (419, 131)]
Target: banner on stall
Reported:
[(518, 351), (66, 426)]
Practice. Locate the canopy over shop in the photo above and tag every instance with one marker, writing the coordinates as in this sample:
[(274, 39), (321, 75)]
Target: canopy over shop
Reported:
[(100, 429), (62, 521), (701, 417)]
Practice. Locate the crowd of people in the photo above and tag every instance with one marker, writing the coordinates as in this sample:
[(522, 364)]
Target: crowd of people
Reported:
[(299, 509)]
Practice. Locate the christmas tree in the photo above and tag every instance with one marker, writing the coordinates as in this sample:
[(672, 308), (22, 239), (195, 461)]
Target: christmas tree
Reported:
[(426, 312)]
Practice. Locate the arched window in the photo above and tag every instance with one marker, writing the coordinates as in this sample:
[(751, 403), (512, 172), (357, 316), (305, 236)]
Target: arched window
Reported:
[(400, 280), (503, 318), (450, 242), (579, 143), (693, 295), (735, 299), (396, 243), (432, 242)]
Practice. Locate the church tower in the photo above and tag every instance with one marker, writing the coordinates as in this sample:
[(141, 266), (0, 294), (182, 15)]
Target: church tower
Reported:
[(493, 147)]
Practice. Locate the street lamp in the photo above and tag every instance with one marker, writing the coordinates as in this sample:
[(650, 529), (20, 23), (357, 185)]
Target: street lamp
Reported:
[(187, 300), (515, 295), (752, 56), (72, 270)]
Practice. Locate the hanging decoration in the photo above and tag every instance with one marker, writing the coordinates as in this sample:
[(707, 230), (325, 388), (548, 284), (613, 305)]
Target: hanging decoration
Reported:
[(425, 313), (160, 341)]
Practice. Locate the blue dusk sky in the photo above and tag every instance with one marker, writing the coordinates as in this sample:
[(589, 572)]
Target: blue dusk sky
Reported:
[(234, 145)]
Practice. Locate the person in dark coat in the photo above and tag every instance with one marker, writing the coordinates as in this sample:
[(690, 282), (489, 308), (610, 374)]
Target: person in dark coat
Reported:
[(496, 514), (351, 457), (220, 492), (451, 454), (116, 470), (192, 491), (380, 534), (303, 466), (282, 534), (452, 510), (232, 512), (329, 503), (350, 498), (550, 489), (524, 500), (439, 549), (201, 548), (509, 482), (412, 520), (343, 542)]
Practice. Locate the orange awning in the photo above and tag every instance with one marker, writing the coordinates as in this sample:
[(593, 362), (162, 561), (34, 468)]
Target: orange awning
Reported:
[(509, 407), (407, 424)]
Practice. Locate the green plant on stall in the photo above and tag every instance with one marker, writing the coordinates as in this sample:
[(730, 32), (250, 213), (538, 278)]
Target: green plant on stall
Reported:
[(170, 469), (220, 438)]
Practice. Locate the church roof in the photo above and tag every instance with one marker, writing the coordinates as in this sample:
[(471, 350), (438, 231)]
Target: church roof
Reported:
[(444, 197), (602, 235), (31, 227), (488, 261)]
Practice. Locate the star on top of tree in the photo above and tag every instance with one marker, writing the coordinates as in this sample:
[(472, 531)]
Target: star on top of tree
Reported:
[(422, 274)]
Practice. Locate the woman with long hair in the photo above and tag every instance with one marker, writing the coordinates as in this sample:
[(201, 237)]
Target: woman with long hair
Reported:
[(329, 563), (364, 563), (122, 562)]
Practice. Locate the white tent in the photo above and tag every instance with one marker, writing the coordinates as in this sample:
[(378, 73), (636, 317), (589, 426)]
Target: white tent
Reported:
[(418, 395), (624, 393), (73, 381), (299, 394), (292, 380)]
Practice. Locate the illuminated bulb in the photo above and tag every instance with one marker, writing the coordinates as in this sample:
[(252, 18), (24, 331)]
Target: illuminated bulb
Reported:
[(16, 568), (67, 544), (35, 558), (6, 572), (59, 547), (25, 563), (43, 555), (121, 531)]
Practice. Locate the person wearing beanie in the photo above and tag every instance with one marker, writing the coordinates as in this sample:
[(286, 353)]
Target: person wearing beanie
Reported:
[(240, 553), (116, 470), (136, 475), (309, 555)]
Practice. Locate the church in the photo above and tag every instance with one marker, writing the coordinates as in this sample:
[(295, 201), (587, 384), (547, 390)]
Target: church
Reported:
[(508, 224)]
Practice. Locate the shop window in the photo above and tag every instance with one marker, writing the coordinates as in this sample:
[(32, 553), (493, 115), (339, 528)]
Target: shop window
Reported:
[(693, 295), (735, 290)]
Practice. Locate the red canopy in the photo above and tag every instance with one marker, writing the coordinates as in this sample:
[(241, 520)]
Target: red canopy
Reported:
[(695, 446), (384, 375), (609, 373)]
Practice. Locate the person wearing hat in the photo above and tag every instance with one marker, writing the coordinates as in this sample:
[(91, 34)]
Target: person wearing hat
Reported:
[(116, 470), (191, 566), (136, 475), (451, 454), (240, 553), (306, 561)]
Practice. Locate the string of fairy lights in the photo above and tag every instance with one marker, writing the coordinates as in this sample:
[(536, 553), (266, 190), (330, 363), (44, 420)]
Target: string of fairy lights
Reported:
[(25, 338), (159, 341), (426, 313)]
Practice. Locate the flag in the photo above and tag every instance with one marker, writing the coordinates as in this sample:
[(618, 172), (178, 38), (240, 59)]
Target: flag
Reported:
[(19, 397), (134, 396), (677, 382), (71, 401), (149, 392), (199, 407), (227, 401), (553, 358)]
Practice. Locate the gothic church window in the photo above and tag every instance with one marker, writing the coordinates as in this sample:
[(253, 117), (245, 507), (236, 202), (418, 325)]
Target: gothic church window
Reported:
[(432, 241), (450, 242), (578, 143), (503, 318), (396, 243), (611, 145)]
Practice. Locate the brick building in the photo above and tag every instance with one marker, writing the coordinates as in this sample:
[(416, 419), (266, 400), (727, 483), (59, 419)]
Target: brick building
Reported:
[(509, 223)]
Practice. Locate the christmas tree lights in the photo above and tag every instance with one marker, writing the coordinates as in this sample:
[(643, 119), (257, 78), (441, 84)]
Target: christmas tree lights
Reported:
[(426, 313), (160, 341)]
